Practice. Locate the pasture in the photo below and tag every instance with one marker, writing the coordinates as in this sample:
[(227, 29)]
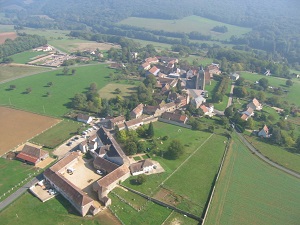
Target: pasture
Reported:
[(61, 93), (249, 191), (212, 89), (187, 24), (6, 28), (207, 150), (31, 211), (108, 91), (19, 126), (11, 71), (27, 56), (7, 35), (57, 134)]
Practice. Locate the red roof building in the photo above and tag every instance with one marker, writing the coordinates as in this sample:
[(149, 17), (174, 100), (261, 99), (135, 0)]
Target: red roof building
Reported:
[(32, 155)]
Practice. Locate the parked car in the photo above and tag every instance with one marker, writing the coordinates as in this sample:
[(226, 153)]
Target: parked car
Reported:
[(69, 143)]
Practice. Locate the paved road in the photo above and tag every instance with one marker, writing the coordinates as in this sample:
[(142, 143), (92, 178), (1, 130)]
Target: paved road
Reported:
[(18, 193), (264, 158), (230, 96)]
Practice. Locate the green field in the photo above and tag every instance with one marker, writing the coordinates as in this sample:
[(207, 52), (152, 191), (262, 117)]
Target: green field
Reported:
[(25, 57), (63, 90), (57, 134), (277, 154), (108, 91), (29, 210), (211, 89), (13, 71), (187, 24), (6, 28), (204, 165), (250, 191), (12, 172)]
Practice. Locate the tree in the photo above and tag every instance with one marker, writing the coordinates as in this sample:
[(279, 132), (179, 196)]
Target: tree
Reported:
[(73, 71), (49, 84), (66, 70), (289, 83), (141, 179), (130, 148), (48, 93), (298, 143), (240, 81), (93, 87), (264, 82), (141, 146), (211, 129), (261, 96), (79, 101), (276, 137), (12, 86), (150, 81), (250, 123), (28, 90), (229, 111), (150, 131), (175, 150), (240, 92)]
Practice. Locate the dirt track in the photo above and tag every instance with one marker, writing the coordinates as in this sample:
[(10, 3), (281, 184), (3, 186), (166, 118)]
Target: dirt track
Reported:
[(18, 126)]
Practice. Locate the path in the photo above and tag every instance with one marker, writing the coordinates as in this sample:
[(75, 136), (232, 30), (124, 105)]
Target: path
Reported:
[(230, 96), (18, 193), (264, 158)]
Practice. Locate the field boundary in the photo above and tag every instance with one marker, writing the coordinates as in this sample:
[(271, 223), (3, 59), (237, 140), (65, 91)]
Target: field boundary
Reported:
[(216, 180)]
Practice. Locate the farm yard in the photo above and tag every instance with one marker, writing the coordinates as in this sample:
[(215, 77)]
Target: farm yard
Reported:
[(245, 196), (187, 24), (19, 126), (61, 92), (7, 35), (11, 71), (31, 211)]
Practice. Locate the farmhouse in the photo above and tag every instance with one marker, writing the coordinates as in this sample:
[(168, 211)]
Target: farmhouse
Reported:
[(116, 121), (137, 111), (264, 132), (255, 105), (84, 118), (134, 124), (249, 111), (154, 70), (174, 117), (141, 167), (32, 155)]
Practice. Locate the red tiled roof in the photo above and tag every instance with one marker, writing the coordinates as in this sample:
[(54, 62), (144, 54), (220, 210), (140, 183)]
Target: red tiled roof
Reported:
[(153, 70), (256, 102), (113, 176), (204, 108), (31, 154)]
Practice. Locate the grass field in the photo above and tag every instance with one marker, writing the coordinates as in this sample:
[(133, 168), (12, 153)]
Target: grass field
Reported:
[(13, 71), (108, 91), (211, 89), (187, 24), (63, 90), (250, 191), (57, 134), (12, 172), (25, 57), (277, 154), (6, 28), (204, 165), (29, 210)]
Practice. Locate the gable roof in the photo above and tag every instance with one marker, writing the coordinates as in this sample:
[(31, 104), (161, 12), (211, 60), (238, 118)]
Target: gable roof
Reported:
[(255, 102), (244, 117), (140, 165), (113, 176), (145, 65), (149, 109), (138, 109), (154, 70), (118, 119), (105, 164), (204, 108), (133, 122), (266, 129), (174, 117), (31, 154), (81, 116)]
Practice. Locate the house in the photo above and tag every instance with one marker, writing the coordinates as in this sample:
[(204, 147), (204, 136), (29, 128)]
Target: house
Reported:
[(267, 73), (165, 59), (245, 117), (134, 124), (137, 111), (84, 118), (141, 167), (255, 105), (116, 121), (182, 101), (152, 60), (169, 107), (154, 71), (117, 66), (213, 69), (54, 175), (197, 102), (234, 76), (264, 132), (145, 66), (207, 110), (171, 64), (191, 73), (174, 117), (44, 48), (249, 111), (32, 155)]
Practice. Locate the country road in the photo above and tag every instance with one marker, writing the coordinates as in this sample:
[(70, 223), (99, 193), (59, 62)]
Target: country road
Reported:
[(265, 159)]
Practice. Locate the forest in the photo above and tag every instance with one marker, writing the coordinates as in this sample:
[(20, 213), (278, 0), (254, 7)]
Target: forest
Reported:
[(275, 24)]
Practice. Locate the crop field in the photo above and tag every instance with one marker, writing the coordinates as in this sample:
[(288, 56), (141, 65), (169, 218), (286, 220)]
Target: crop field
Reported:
[(61, 93), (277, 154), (249, 191), (7, 35), (203, 164), (293, 92), (31, 211), (11, 71), (25, 57), (57, 134), (187, 24), (12, 172), (109, 90), (19, 126)]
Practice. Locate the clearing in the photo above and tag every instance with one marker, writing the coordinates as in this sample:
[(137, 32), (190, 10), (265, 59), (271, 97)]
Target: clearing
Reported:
[(250, 191), (109, 90), (7, 35), (18, 126)]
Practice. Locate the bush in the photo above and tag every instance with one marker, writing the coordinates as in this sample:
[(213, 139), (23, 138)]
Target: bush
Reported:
[(164, 138)]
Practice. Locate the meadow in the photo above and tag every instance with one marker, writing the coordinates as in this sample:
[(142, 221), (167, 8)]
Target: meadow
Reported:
[(108, 91), (249, 191), (61, 93), (6, 28), (57, 134), (31, 211), (11, 71), (27, 56), (187, 24)]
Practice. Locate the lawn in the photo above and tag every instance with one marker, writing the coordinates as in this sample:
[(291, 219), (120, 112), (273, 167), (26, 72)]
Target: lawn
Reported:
[(200, 60), (187, 24), (29, 210), (57, 134), (204, 165), (211, 89), (61, 93), (14, 71), (12, 172), (250, 191), (277, 154), (27, 56), (108, 91)]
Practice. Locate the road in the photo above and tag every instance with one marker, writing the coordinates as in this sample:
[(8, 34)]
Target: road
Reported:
[(18, 193), (230, 96), (265, 159)]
